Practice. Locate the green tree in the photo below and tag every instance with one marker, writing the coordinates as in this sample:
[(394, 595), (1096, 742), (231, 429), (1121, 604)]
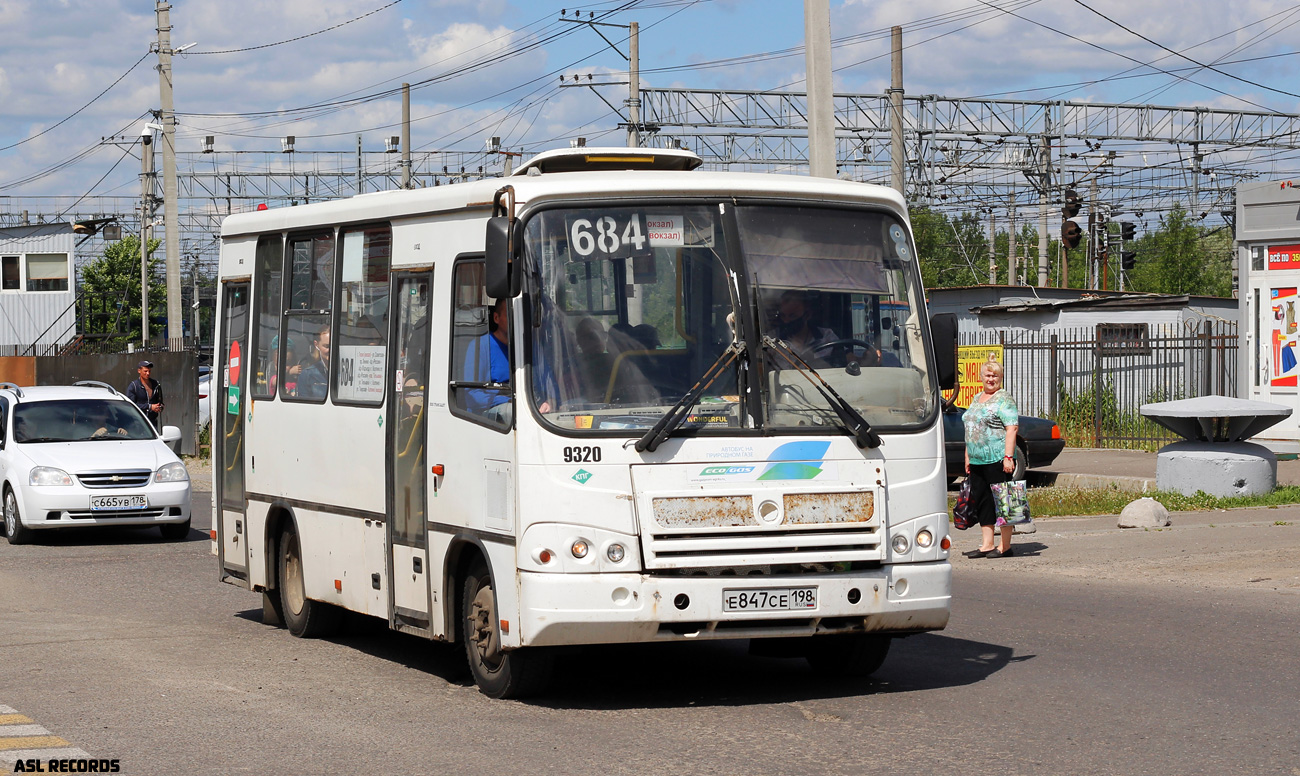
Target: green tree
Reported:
[(110, 292), (1182, 258), (952, 252)]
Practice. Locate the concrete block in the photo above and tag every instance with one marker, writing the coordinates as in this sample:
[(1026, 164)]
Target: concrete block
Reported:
[(1220, 469), (1144, 513)]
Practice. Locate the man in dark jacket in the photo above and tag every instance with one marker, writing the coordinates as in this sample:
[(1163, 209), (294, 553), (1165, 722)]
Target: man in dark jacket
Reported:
[(146, 392)]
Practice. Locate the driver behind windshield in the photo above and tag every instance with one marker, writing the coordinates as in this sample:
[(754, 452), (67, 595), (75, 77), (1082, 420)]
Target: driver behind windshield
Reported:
[(795, 327), (105, 422)]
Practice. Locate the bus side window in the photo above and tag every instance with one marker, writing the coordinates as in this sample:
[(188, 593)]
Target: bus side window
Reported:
[(480, 363), (305, 346), (269, 268), (362, 311)]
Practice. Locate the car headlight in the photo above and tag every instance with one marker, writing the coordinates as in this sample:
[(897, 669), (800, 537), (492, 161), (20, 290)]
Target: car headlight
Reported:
[(48, 475), (172, 472)]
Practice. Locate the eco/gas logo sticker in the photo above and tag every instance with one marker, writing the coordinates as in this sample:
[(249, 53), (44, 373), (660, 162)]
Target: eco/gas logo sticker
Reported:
[(725, 471), (581, 476)]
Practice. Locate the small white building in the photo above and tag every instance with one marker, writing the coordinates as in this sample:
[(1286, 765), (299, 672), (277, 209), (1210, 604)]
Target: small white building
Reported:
[(1268, 256), (37, 288), (1031, 309)]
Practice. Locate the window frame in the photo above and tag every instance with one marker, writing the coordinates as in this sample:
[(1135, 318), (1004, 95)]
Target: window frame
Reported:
[(337, 304), (26, 280), (1123, 339), (255, 336), (286, 291), (454, 369), (18, 280)]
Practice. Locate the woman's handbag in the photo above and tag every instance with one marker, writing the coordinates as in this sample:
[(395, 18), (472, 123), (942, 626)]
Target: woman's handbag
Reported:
[(1011, 502), (963, 513)]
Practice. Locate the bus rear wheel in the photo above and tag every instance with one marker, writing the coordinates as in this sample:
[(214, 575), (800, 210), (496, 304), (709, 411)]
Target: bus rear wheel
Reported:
[(305, 618), (498, 673), (855, 655)]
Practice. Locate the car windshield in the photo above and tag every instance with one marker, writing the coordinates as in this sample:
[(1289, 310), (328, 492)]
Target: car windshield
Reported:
[(839, 307), (633, 310), (79, 420)]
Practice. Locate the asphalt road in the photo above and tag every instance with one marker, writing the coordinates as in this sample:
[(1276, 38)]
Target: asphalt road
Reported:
[(1094, 651)]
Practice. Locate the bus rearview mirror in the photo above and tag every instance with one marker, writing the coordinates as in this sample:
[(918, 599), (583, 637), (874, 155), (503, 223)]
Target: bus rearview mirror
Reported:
[(943, 327), (502, 266)]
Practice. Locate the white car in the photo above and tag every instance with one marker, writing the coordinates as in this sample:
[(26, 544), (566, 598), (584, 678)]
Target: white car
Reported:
[(85, 455)]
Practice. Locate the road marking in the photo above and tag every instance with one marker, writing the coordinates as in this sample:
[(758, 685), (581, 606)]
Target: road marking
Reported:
[(22, 739)]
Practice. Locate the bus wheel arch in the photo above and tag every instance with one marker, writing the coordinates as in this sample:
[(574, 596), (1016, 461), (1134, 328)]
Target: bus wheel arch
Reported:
[(304, 617)]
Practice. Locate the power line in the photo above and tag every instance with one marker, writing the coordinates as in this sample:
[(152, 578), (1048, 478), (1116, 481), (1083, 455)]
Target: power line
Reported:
[(292, 40), (83, 107)]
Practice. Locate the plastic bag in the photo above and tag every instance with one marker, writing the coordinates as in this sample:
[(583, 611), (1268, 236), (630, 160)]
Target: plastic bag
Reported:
[(963, 512), (1011, 502)]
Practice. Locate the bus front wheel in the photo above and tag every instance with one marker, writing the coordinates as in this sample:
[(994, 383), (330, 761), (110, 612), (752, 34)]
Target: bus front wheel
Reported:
[(304, 617), (498, 673), (853, 655)]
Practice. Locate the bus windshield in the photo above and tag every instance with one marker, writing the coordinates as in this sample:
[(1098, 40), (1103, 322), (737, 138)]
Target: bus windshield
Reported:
[(634, 308), (637, 305), (837, 295)]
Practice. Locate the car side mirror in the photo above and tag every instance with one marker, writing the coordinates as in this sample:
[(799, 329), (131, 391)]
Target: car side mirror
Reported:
[(943, 328)]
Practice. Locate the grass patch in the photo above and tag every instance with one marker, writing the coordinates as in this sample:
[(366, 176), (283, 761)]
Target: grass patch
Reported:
[(1053, 502)]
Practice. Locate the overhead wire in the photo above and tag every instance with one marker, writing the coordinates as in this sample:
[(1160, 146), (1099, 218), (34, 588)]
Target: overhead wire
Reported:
[(292, 40), (59, 123)]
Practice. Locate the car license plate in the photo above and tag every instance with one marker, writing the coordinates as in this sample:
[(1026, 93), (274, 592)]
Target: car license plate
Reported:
[(114, 503), (769, 599)]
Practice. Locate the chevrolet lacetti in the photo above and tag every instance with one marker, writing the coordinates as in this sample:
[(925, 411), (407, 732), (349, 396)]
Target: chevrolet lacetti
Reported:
[(83, 455)]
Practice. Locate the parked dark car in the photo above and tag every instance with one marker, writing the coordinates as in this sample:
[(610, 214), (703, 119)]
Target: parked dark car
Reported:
[(1037, 443)]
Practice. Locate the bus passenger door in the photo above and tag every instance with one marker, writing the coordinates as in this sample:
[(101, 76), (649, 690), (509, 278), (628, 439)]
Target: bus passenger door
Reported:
[(231, 402), (408, 475)]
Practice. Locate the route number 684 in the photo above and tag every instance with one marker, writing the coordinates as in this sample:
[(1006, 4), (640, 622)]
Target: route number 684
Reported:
[(605, 236)]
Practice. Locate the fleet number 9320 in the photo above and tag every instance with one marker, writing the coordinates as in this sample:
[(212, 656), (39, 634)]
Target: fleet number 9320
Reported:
[(582, 454)]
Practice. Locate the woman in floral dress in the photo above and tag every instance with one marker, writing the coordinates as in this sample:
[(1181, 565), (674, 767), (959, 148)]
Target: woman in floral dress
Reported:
[(991, 423)]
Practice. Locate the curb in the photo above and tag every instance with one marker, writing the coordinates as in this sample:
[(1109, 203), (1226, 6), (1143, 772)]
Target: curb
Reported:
[(1089, 481)]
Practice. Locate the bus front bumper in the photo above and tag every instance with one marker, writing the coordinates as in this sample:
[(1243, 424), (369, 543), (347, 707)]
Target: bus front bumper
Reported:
[(559, 609)]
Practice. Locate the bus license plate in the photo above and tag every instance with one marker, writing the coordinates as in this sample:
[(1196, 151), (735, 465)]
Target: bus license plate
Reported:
[(113, 503), (769, 599)]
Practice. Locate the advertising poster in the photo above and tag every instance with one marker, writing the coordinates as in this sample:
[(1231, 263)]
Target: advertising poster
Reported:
[(1283, 337), (969, 360)]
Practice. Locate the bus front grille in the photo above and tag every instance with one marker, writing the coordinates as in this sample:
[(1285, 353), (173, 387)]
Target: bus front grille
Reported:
[(741, 548)]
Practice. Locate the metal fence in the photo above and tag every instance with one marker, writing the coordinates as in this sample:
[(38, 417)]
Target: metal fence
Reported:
[(1093, 380)]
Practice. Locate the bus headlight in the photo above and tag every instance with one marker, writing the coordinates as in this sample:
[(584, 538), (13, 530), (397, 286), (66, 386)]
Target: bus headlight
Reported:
[(579, 548), (900, 543), (615, 552), (924, 539)]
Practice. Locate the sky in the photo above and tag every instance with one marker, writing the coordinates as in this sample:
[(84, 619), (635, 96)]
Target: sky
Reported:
[(73, 72)]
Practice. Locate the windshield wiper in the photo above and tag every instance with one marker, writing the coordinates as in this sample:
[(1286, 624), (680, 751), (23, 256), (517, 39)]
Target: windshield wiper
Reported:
[(850, 419), (678, 413), (43, 439)]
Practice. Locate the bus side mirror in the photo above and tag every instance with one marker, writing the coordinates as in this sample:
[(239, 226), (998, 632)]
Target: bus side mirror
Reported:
[(943, 327), (502, 265)]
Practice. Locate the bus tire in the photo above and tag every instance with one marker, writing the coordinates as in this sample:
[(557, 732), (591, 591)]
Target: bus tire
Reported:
[(14, 528), (498, 674), (305, 618), (851, 655)]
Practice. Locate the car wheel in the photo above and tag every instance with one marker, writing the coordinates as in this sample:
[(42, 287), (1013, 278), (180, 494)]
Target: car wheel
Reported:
[(305, 618), (1022, 464), (851, 655), (175, 532), (498, 674), (14, 528)]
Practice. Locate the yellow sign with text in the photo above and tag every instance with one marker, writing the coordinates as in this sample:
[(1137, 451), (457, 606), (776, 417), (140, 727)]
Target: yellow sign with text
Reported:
[(969, 360)]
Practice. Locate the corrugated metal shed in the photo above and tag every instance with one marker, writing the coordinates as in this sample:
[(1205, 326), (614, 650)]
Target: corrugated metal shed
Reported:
[(32, 316)]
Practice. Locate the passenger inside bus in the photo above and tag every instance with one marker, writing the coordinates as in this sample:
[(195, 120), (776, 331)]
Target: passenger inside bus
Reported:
[(313, 382), (595, 364)]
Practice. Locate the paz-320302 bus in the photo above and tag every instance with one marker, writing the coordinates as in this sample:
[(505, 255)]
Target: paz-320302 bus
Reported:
[(610, 398)]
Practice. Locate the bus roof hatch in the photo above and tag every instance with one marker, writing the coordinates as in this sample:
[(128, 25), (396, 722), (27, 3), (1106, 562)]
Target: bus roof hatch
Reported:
[(615, 158)]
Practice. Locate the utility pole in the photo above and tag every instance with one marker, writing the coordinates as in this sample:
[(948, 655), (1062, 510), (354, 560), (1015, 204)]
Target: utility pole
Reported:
[(146, 218), (171, 192), (1044, 185), (821, 98), (633, 87), (1012, 270), (1093, 225), (993, 243), (359, 169), (406, 136), (897, 151)]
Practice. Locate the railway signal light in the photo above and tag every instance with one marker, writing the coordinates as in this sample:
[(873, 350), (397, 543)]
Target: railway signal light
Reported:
[(1127, 260), (1071, 234), (1127, 230), (1072, 204)]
